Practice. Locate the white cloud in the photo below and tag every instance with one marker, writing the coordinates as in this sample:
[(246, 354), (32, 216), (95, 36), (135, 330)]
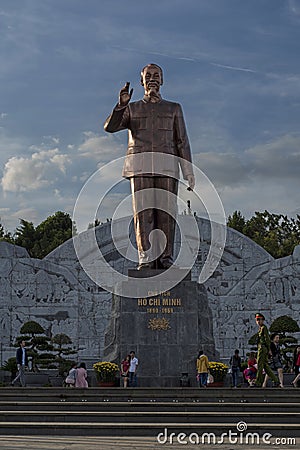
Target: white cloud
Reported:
[(23, 174), (265, 176), (222, 168), (29, 214), (278, 159), (101, 148)]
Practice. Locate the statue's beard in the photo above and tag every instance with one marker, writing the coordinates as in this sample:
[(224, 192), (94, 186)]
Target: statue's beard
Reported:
[(153, 90)]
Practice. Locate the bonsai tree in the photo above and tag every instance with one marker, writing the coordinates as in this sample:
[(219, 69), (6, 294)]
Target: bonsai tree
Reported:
[(38, 344), (44, 351), (62, 347), (282, 326)]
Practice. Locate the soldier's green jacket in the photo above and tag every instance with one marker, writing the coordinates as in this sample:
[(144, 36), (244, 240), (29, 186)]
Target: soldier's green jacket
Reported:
[(263, 338)]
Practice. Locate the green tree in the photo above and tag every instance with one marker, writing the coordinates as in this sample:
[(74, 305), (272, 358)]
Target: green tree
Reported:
[(47, 236), (237, 221), (62, 347), (26, 236), (276, 233), (5, 235), (51, 233)]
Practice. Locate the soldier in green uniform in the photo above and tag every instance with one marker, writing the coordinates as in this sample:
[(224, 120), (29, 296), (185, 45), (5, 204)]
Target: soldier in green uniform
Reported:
[(263, 344)]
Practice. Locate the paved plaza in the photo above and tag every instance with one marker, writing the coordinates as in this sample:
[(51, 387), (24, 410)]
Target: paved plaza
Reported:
[(111, 443)]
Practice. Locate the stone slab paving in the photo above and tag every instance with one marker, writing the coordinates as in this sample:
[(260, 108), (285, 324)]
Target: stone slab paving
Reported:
[(122, 443)]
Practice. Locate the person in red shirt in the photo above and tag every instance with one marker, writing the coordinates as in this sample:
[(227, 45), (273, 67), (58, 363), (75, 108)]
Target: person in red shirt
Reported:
[(250, 372), (125, 364), (294, 382)]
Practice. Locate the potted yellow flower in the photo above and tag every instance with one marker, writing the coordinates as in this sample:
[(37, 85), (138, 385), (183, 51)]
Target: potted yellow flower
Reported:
[(219, 371), (106, 372)]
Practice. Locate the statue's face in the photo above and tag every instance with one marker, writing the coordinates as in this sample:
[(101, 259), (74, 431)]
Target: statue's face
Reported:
[(151, 79)]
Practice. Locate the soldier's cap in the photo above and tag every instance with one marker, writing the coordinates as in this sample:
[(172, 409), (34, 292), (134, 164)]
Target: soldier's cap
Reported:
[(259, 316)]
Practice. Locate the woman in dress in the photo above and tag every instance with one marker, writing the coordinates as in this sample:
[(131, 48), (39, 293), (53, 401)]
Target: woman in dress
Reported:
[(81, 378)]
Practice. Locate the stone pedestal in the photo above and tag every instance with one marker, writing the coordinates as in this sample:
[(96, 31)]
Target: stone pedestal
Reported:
[(165, 329)]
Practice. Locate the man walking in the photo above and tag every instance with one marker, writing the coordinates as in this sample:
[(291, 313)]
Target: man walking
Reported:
[(235, 362), (22, 362), (263, 345)]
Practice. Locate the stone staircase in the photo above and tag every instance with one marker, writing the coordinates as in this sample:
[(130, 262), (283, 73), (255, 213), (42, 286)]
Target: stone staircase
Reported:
[(148, 411)]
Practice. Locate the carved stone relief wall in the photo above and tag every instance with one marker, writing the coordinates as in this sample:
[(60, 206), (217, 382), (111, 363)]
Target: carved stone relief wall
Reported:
[(58, 294)]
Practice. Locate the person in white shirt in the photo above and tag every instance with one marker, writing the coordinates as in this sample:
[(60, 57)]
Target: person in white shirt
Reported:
[(133, 369)]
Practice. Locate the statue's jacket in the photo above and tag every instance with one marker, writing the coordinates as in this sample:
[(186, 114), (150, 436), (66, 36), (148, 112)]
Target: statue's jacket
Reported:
[(155, 130)]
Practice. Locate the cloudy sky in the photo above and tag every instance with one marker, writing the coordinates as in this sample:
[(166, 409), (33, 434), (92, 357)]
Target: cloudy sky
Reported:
[(233, 65)]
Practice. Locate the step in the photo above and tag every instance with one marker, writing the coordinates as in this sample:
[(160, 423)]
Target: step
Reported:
[(80, 405), (141, 428), (159, 417), (286, 395)]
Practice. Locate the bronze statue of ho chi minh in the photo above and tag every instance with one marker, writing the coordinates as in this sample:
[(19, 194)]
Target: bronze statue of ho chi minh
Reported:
[(157, 146)]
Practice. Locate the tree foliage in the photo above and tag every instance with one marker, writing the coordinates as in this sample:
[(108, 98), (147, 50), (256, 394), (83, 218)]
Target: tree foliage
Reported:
[(276, 233), (10, 365), (38, 345), (51, 233), (32, 328), (45, 352), (284, 324), (62, 345), (5, 235), (41, 240)]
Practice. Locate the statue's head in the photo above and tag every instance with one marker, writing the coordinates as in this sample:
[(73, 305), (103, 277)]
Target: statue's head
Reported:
[(151, 77)]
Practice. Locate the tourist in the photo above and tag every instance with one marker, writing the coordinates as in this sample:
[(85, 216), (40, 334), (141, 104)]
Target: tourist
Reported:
[(295, 359), (235, 362), (125, 364), (72, 375), (276, 363), (81, 377), (297, 367), (250, 372), (202, 369), (133, 369), (263, 344), (22, 363)]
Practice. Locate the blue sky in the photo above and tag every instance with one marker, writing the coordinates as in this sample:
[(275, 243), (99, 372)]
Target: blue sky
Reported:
[(234, 66)]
